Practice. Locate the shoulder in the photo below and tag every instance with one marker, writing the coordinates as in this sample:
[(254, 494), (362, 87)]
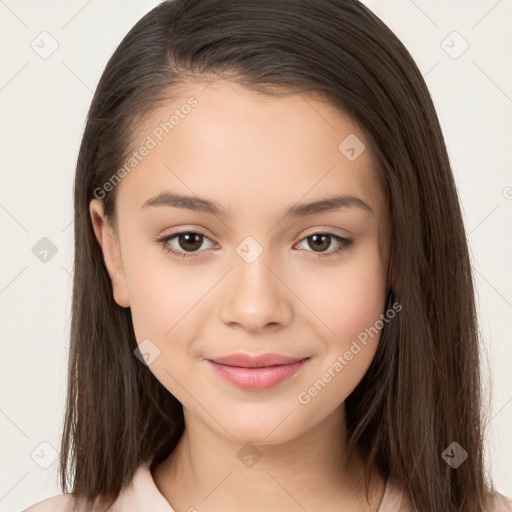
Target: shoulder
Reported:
[(403, 503), (134, 496), (60, 503), (69, 503)]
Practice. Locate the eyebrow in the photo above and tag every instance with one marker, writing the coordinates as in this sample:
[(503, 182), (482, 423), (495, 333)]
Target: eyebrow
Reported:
[(198, 204)]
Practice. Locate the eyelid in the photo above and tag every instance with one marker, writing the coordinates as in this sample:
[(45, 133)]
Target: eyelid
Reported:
[(327, 230), (312, 231)]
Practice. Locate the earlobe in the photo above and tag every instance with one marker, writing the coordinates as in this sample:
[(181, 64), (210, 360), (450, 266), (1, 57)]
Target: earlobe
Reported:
[(109, 243)]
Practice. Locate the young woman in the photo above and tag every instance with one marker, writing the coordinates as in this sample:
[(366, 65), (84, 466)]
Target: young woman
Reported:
[(273, 303)]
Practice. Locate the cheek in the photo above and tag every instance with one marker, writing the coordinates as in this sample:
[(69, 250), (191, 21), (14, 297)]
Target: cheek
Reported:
[(349, 298), (162, 294), (349, 304), (162, 302)]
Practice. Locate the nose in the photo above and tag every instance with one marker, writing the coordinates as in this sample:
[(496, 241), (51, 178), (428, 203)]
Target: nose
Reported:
[(255, 298)]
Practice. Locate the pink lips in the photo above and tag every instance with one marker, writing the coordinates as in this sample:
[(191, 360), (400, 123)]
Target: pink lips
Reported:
[(256, 372)]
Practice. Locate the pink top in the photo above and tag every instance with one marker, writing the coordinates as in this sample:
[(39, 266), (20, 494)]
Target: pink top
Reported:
[(142, 495)]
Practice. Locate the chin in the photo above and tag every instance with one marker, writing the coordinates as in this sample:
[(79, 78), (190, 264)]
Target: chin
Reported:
[(273, 430)]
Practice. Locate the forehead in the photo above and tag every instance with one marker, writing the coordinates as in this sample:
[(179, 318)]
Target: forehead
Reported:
[(245, 149)]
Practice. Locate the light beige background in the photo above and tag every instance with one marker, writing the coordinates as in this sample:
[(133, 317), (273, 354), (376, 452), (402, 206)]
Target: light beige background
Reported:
[(43, 104)]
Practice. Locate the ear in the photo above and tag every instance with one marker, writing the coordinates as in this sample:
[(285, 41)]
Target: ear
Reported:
[(109, 242)]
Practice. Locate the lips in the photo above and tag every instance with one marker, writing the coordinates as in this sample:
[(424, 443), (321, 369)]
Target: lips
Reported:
[(256, 372), (256, 361)]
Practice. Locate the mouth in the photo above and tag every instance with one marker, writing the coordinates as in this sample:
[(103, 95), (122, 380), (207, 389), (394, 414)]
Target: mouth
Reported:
[(256, 361), (256, 372)]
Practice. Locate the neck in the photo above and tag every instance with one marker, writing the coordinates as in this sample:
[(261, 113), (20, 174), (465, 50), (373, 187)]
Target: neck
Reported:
[(209, 472)]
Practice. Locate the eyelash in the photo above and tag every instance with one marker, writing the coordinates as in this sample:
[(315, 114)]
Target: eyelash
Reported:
[(345, 243)]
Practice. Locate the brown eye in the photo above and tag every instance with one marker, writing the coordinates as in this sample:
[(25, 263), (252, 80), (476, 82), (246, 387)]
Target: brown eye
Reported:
[(320, 242), (188, 243)]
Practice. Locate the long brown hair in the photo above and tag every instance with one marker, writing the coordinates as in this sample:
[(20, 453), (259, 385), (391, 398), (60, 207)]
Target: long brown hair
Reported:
[(422, 391)]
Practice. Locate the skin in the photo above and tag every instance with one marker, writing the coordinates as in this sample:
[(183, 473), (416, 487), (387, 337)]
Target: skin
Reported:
[(256, 155)]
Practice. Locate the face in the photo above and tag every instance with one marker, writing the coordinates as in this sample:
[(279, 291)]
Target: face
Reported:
[(243, 267)]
